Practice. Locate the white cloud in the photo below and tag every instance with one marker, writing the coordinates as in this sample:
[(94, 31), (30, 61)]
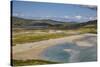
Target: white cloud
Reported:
[(66, 16), (78, 17), (18, 14), (54, 16), (92, 18), (46, 16), (22, 15)]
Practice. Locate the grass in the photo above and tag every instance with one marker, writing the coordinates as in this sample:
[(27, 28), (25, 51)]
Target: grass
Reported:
[(88, 30), (30, 37), (33, 37), (20, 36), (30, 62)]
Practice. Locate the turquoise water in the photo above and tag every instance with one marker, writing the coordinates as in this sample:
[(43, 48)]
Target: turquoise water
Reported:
[(73, 53)]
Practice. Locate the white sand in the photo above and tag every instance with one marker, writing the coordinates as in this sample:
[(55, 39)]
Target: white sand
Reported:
[(33, 50)]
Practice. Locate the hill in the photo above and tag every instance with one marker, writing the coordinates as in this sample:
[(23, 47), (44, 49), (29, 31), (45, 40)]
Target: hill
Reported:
[(50, 24), (41, 23), (89, 24)]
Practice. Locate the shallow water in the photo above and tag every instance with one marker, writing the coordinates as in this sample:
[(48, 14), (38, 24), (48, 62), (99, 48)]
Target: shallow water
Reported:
[(70, 52)]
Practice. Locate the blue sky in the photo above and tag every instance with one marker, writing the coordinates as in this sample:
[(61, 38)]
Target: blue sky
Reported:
[(65, 12)]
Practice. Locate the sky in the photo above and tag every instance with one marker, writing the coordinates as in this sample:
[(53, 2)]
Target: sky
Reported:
[(55, 11)]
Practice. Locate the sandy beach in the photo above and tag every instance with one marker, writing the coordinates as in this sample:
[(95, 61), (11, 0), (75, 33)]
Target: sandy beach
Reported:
[(33, 50)]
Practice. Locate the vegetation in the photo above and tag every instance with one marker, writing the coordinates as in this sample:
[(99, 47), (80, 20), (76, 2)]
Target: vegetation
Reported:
[(25, 25), (24, 30), (30, 62), (88, 30), (49, 24), (38, 24), (31, 37)]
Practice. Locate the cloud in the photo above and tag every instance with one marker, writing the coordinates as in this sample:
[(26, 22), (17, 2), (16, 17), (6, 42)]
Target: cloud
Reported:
[(92, 18), (66, 16), (15, 14), (78, 17), (22, 15), (19, 14)]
